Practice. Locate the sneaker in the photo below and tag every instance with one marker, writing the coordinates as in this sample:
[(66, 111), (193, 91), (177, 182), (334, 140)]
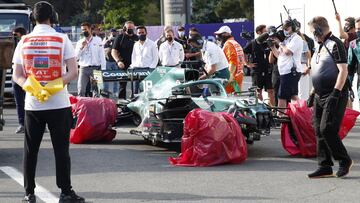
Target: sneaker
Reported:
[(20, 130), (71, 197), (344, 169), (322, 172), (31, 198)]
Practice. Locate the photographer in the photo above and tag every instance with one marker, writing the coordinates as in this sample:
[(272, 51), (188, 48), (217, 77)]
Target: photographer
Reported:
[(256, 59), (289, 64), (330, 93)]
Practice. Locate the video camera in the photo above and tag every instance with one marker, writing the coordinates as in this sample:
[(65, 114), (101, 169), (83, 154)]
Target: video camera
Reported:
[(267, 38)]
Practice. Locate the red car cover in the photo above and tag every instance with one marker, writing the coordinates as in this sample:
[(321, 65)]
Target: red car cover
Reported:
[(210, 139), (302, 129), (94, 119)]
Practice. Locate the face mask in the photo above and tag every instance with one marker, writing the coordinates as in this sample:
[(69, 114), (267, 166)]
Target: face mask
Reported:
[(169, 39), (181, 34), (358, 34), (286, 33), (142, 37), (130, 31), (86, 34), (346, 29)]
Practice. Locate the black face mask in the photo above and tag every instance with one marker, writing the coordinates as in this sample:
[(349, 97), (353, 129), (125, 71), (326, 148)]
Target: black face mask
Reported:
[(169, 39), (86, 34), (142, 37), (94, 34), (346, 29), (130, 31)]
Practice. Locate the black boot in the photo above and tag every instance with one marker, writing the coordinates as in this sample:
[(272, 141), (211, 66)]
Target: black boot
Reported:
[(71, 197), (30, 198), (322, 172)]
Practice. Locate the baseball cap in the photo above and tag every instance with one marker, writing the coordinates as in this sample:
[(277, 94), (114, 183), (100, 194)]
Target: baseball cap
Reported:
[(223, 29)]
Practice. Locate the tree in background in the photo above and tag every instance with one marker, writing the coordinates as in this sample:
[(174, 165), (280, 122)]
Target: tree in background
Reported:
[(213, 11), (204, 11)]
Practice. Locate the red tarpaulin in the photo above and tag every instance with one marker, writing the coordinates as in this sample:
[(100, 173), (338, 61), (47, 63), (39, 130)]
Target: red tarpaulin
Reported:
[(210, 139), (95, 117), (302, 130)]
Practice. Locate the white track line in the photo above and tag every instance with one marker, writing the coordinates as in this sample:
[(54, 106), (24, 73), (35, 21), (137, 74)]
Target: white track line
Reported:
[(40, 191)]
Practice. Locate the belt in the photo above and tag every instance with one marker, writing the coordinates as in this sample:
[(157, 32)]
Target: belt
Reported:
[(90, 66)]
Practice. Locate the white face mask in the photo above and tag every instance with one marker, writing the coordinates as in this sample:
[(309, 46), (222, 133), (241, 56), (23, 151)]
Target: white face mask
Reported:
[(181, 33)]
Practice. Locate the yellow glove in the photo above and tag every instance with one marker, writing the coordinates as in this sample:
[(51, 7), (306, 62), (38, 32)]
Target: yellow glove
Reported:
[(32, 86), (54, 86)]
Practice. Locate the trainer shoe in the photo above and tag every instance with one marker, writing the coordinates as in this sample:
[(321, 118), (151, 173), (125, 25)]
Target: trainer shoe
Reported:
[(30, 198), (344, 169), (322, 172), (20, 130), (71, 197)]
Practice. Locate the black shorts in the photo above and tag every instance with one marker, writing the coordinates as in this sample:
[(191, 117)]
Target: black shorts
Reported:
[(262, 80), (288, 86)]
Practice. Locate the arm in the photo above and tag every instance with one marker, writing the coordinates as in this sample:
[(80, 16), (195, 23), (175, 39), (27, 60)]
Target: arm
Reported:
[(343, 34), (272, 58), (155, 56), (102, 56), (18, 74), (342, 76), (79, 48), (72, 71), (182, 53), (275, 51)]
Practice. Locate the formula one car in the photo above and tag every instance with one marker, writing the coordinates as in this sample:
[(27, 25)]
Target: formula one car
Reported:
[(168, 94)]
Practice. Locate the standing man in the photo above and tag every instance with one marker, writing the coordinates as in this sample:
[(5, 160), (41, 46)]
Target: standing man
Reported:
[(216, 64), (112, 87), (122, 50), (48, 57), (91, 55), (348, 31), (182, 38), (235, 56), (329, 74), (145, 53), (354, 55), (289, 63), (257, 55), (171, 52), (19, 93)]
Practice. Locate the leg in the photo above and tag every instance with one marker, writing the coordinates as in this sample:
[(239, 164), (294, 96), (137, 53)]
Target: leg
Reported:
[(83, 80), (59, 127), (329, 127), (34, 130), (122, 90), (19, 95), (271, 97), (323, 152)]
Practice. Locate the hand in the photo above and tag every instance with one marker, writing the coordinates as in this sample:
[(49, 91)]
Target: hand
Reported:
[(337, 16), (189, 55), (120, 64), (307, 71), (332, 100), (310, 100), (251, 65), (83, 45), (203, 77)]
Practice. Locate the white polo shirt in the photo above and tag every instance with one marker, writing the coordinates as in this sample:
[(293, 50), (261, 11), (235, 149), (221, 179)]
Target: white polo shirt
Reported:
[(93, 54), (45, 51), (213, 54), (295, 44), (171, 53), (145, 55)]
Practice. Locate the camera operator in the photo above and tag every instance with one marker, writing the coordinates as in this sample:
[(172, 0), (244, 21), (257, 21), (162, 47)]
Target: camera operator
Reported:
[(330, 92), (289, 63), (256, 59), (348, 32)]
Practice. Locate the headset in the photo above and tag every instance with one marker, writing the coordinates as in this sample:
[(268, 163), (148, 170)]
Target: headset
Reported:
[(292, 23)]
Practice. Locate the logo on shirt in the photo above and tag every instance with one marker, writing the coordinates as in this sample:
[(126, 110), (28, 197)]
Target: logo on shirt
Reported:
[(41, 62)]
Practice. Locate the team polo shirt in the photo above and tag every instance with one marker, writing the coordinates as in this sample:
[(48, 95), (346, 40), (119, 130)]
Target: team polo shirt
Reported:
[(93, 54), (324, 65), (43, 53), (171, 54), (214, 55)]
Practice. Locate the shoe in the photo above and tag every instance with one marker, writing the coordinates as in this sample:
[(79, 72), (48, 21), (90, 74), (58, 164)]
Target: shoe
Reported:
[(30, 198), (344, 169), (322, 172), (71, 197), (20, 130)]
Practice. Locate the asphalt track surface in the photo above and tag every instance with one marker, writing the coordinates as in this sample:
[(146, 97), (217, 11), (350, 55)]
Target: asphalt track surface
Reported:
[(130, 170)]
